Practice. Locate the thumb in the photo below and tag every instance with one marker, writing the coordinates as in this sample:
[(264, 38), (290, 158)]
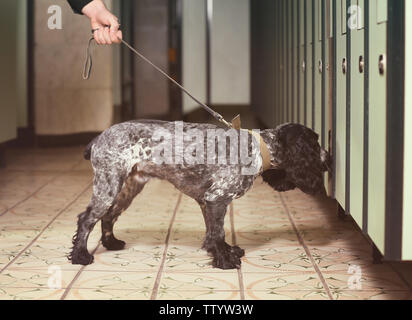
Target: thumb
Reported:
[(114, 24)]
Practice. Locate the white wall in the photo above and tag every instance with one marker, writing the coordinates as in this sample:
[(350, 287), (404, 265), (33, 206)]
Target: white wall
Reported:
[(64, 102), (230, 52), (194, 52)]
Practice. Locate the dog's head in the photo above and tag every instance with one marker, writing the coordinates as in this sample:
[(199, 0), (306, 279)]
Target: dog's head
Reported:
[(300, 160)]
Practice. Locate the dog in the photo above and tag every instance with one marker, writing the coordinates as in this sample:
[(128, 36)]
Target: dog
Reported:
[(123, 159)]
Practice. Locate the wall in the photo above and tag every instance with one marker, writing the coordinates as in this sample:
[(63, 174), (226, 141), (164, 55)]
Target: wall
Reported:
[(8, 64), (194, 52), (230, 52), (64, 103), (21, 29), (151, 39)]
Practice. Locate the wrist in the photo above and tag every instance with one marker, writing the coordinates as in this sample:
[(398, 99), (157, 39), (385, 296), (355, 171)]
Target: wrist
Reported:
[(93, 9)]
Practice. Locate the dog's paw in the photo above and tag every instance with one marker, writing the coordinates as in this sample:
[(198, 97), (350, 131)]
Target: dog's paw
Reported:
[(238, 251), (227, 257), (113, 244), (81, 257)]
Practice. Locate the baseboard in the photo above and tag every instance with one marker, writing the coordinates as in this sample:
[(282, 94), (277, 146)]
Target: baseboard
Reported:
[(69, 140)]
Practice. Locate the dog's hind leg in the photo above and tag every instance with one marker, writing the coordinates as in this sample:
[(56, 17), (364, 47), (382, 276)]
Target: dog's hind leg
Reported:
[(106, 188), (133, 186), (224, 255)]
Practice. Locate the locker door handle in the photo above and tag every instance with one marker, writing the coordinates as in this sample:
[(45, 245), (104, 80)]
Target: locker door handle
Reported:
[(382, 64), (303, 66), (361, 64), (320, 66), (344, 65)]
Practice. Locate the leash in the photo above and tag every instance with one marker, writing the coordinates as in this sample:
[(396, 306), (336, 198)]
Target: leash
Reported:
[(89, 64), (236, 123)]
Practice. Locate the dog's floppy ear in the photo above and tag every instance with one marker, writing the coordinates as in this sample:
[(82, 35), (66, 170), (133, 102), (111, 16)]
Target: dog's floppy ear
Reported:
[(290, 133), (277, 180)]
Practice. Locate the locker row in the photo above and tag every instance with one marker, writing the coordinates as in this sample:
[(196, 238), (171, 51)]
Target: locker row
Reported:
[(339, 67)]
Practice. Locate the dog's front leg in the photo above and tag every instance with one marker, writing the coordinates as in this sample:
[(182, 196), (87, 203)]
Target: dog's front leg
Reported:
[(224, 255)]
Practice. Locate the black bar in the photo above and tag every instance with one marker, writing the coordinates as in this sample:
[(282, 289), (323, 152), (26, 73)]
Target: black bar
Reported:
[(313, 64), (395, 129), (208, 52), (325, 38), (298, 88), (306, 63), (348, 110)]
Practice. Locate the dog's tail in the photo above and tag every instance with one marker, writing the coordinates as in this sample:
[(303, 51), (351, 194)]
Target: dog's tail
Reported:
[(87, 154)]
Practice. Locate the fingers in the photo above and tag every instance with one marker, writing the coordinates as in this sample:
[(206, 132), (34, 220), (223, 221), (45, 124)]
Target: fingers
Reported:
[(107, 35), (114, 30)]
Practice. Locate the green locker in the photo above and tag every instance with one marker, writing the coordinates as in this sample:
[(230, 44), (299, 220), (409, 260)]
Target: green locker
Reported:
[(309, 62), (377, 121), (357, 112), (341, 72), (302, 61), (318, 67)]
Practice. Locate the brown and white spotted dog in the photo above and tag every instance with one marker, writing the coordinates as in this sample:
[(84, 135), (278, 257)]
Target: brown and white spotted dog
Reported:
[(123, 162)]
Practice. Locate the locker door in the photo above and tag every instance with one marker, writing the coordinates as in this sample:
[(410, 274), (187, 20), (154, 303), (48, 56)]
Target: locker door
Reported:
[(378, 14), (318, 67), (357, 115), (341, 71), (302, 62)]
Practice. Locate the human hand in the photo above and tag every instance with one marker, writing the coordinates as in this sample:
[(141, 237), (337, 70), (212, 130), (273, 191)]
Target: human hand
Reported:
[(104, 23)]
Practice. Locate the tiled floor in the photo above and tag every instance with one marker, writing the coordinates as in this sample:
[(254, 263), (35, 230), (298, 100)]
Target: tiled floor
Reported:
[(296, 247)]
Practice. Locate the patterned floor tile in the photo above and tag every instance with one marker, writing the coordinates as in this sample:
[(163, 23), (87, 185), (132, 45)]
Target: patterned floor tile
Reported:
[(107, 294), (369, 280), (199, 295), (141, 282), (38, 279), (286, 295), (273, 260), (372, 295), (30, 293), (222, 281), (282, 281)]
